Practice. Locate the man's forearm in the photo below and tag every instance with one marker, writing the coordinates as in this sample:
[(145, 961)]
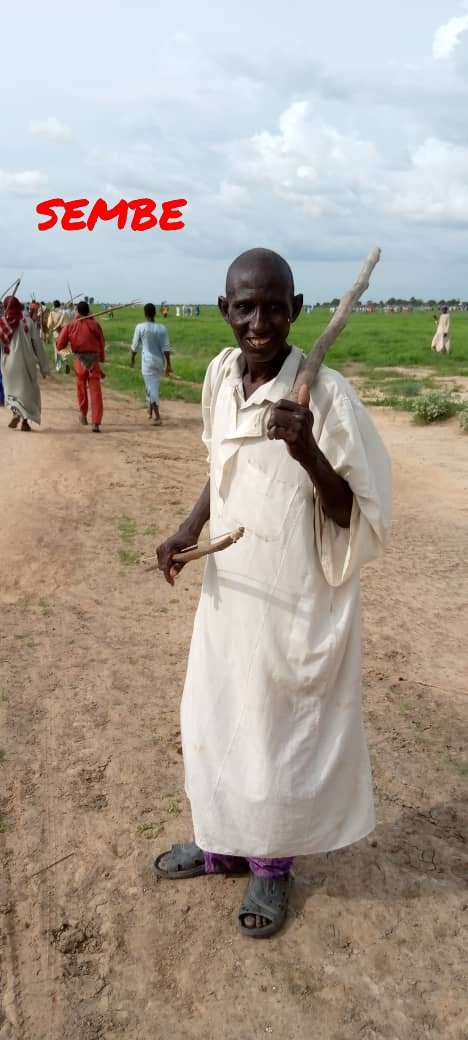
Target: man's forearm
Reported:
[(200, 514), (334, 493)]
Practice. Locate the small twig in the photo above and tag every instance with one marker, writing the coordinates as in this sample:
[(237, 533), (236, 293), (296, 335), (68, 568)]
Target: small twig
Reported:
[(50, 865), (430, 686), (195, 552)]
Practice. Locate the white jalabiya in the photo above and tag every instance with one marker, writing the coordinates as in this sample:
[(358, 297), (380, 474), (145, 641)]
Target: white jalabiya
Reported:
[(275, 753), (20, 373), (441, 340)]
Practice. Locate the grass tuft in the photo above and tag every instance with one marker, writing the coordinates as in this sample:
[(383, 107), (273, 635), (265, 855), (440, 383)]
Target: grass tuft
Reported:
[(129, 557)]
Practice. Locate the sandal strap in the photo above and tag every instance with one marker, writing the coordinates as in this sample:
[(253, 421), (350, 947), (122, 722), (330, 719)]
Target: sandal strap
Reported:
[(185, 855), (265, 897)]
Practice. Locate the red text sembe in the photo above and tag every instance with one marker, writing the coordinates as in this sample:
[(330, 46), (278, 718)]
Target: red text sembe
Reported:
[(143, 213)]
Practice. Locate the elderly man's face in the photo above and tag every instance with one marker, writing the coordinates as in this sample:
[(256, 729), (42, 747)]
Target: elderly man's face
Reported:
[(260, 308)]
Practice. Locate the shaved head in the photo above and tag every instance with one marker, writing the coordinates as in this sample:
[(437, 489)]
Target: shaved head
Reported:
[(259, 264), (260, 305)]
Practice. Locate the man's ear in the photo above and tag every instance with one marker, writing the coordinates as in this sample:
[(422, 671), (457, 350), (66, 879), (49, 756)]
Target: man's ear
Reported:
[(223, 307), (297, 306)]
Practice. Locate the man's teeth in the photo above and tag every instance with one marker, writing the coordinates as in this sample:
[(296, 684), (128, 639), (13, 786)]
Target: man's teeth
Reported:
[(259, 342)]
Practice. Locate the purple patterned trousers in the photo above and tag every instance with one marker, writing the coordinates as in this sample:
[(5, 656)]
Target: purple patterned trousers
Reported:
[(263, 868)]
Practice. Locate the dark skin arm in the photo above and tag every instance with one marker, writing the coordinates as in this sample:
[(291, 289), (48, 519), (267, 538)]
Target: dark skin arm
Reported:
[(188, 534), (293, 423)]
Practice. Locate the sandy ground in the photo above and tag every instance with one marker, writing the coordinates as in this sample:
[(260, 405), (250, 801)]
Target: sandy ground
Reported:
[(93, 654)]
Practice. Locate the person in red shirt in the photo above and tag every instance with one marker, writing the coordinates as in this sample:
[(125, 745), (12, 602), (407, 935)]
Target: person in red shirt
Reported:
[(86, 339)]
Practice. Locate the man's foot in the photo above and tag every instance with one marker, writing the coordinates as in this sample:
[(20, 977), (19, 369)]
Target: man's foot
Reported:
[(264, 907), (14, 422), (181, 861), (25, 426), (83, 420), (187, 860), (96, 427)]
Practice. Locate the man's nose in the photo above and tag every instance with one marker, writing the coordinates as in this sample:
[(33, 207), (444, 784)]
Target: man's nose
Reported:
[(259, 319)]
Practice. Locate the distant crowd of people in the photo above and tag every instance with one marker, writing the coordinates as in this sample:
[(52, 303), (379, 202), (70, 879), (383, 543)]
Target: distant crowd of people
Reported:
[(187, 311), (77, 338)]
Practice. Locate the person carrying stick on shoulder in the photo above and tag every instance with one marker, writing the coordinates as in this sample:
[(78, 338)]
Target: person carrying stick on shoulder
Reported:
[(86, 339)]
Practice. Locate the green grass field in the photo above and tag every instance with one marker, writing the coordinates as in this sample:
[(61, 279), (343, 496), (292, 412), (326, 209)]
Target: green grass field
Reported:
[(370, 348)]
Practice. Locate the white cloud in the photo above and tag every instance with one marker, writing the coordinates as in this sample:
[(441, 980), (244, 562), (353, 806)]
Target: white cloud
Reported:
[(51, 128), (447, 36), (27, 182), (434, 188), (309, 162), (231, 197), (344, 182)]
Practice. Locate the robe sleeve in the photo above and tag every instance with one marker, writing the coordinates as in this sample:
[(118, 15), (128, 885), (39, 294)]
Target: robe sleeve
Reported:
[(136, 341), (352, 445), (38, 349)]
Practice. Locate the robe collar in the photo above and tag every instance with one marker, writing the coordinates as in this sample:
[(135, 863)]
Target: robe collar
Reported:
[(273, 391)]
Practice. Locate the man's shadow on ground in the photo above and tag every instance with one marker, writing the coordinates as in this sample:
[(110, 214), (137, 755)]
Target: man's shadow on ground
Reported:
[(420, 852)]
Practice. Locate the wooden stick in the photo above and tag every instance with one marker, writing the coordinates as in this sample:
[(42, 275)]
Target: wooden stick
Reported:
[(99, 314), (309, 372), (72, 298), (14, 286), (196, 552)]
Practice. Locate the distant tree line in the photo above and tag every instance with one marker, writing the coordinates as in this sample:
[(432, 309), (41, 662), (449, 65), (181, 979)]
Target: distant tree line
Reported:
[(396, 301)]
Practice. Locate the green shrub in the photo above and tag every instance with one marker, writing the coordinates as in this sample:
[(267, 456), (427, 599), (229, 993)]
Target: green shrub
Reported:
[(436, 405), (463, 417)]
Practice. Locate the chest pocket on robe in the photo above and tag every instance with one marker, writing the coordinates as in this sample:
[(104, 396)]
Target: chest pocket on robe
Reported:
[(259, 501)]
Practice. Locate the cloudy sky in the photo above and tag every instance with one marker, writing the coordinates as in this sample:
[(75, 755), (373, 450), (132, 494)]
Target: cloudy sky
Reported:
[(319, 130)]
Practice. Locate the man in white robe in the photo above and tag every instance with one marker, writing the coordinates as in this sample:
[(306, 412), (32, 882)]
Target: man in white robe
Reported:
[(56, 321), (275, 754), (22, 353), (441, 341)]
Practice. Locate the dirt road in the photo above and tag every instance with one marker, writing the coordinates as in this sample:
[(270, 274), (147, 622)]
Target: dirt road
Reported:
[(93, 654)]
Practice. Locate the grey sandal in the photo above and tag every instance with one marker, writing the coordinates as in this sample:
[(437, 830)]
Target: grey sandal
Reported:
[(264, 897), (187, 860), (181, 861)]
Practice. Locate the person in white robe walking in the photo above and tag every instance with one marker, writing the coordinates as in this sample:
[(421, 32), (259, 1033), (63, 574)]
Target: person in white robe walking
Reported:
[(153, 341), (22, 353), (275, 754), (441, 341), (56, 321)]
